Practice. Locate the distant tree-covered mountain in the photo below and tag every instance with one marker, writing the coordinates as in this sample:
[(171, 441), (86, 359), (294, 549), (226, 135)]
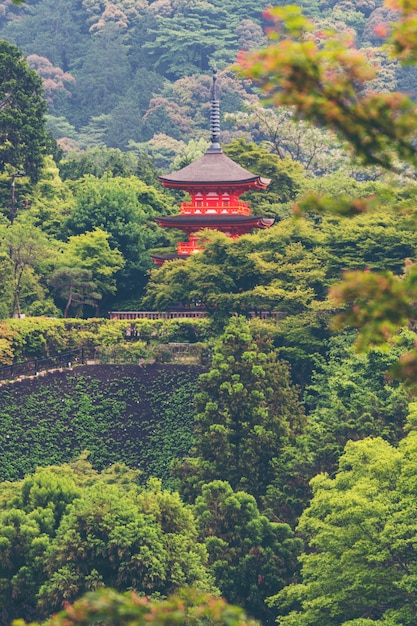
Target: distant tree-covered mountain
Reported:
[(121, 74)]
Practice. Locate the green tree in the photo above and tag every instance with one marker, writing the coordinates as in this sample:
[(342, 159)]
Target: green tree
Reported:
[(76, 287), (249, 556), (189, 282), (52, 29), (282, 269), (6, 284), (192, 151), (30, 515), (28, 247), (126, 119), (68, 529), (91, 251), (185, 43), (22, 124), (110, 538), (103, 73), (124, 208), (350, 398), (23, 548), (286, 175), (246, 411), (378, 240), (102, 161), (50, 200), (317, 150), (360, 568), (302, 341)]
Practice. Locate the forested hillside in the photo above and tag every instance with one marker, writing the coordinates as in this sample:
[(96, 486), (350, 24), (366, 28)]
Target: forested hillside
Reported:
[(122, 74), (283, 477), (127, 91)]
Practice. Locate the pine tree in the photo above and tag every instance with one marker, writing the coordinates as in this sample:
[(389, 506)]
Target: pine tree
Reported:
[(246, 412)]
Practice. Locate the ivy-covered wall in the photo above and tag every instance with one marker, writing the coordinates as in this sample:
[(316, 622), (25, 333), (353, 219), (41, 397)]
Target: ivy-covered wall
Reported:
[(141, 416)]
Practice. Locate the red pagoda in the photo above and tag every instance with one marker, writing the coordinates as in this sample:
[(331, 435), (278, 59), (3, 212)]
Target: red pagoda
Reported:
[(215, 184)]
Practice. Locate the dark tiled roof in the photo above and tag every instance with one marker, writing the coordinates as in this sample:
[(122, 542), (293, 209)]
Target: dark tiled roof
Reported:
[(213, 167), (214, 220)]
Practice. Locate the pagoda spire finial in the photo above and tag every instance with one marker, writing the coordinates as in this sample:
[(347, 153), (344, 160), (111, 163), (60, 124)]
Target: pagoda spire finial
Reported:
[(215, 116)]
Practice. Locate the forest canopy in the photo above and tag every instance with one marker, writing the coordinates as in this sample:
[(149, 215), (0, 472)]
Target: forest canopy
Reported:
[(295, 497)]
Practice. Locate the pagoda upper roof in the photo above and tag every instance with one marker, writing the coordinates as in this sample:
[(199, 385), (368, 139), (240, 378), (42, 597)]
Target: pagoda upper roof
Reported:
[(213, 168)]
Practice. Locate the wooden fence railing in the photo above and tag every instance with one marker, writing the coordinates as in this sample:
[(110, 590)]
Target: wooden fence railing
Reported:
[(170, 315), (116, 355), (35, 366), (155, 315)]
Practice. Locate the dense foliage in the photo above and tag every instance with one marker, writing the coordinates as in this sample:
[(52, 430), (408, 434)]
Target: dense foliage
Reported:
[(68, 529), (328, 82), (38, 338), (139, 415), (246, 411), (120, 75), (251, 551), (271, 471), (360, 527), (139, 420), (22, 114), (250, 556)]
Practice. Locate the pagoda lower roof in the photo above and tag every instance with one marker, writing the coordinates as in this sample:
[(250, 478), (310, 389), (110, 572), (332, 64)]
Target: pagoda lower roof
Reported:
[(213, 168), (214, 220), (159, 259)]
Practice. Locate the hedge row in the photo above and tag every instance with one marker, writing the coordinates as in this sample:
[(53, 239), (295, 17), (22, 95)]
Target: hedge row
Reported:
[(38, 337)]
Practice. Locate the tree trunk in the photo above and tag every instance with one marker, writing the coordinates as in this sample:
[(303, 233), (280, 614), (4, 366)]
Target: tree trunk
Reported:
[(68, 303)]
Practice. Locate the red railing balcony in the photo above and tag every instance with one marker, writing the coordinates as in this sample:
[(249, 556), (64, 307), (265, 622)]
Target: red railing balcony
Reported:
[(239, 208)]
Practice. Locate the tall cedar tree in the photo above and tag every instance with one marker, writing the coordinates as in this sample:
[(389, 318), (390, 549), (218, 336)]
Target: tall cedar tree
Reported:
[(246, 412), (23, 136)]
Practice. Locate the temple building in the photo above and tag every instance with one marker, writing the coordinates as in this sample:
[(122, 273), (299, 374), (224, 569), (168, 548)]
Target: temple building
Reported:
[(215, 184)]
